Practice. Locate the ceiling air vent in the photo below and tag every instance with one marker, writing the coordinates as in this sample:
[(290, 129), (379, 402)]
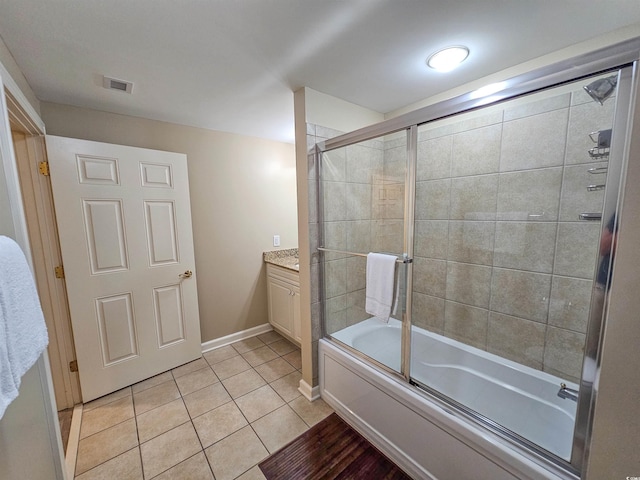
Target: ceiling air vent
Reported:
[(115, 84)]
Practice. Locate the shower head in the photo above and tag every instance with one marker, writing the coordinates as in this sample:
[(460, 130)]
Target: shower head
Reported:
[(602, 88)]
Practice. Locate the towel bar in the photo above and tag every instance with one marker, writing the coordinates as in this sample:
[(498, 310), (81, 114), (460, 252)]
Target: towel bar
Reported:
[(399, 260)]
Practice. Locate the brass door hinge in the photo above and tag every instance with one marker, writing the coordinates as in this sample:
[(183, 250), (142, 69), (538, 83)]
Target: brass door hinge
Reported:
[(43, 168), (59, 271), (73, 366)]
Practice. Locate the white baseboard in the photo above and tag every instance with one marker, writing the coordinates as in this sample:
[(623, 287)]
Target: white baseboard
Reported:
[(309, 392), (235, 337)]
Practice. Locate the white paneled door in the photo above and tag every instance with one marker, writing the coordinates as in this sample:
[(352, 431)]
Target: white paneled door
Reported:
[(124, 222)]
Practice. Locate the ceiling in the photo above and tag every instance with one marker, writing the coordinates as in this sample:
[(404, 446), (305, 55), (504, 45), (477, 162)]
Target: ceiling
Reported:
[(233, 65)]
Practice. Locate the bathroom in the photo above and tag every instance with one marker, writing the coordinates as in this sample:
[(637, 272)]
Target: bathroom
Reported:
[(555, 348)]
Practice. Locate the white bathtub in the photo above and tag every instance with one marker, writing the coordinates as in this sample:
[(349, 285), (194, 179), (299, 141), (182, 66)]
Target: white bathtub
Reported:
[(519, 398)]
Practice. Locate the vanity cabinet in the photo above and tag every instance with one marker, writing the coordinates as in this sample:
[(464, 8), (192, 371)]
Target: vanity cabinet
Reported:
[(283, 290)]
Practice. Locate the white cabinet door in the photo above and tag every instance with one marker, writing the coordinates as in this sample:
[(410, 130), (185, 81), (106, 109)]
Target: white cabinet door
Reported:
[(280, 304), (124, 221)]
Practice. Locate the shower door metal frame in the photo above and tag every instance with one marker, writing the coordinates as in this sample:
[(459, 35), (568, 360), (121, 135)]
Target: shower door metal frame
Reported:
[(622, 57)]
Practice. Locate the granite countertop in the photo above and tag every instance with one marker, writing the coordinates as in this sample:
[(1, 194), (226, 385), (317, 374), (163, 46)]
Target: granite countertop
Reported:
[(283, 258)]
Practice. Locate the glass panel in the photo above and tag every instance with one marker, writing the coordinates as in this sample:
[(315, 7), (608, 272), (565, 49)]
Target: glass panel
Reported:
[(363, 189), (504, 263)]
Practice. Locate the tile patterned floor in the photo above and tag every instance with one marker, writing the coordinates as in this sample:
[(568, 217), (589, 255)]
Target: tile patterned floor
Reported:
[(213, 418)]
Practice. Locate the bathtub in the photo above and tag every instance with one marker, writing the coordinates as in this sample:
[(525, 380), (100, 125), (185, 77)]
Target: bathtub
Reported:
[(400, 419)]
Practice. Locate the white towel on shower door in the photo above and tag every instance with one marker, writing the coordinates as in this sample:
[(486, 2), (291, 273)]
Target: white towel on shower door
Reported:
[(23, 333), (381, 270)]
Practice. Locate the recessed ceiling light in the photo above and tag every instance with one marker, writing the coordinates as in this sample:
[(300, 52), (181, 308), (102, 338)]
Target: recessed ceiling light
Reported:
[(448, 58)]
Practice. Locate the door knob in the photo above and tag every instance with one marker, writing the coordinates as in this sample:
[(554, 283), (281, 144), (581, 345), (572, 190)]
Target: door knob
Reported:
[(186, 274)]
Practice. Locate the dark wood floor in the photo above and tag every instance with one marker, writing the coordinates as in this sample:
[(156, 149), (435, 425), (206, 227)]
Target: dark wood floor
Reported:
[(330, 450), (64, 417)]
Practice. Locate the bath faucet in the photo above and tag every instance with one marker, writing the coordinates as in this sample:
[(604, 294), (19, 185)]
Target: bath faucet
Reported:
[(566, 392)]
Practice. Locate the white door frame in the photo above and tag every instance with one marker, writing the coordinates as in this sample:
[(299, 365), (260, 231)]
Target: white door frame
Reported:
[(45, 246)]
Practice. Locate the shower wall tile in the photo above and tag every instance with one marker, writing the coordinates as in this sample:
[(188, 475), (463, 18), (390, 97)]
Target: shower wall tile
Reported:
[(356, 273), (432, 199), (356, 307), (316, 324), (584, 119), (534, 142), (517, 339), (314, 242), (576, 199), (315, 282), (431, 238), (335, 238), (532, 195), (471, 242), (564, 352), (469, 284), (388, 236), (525, 246), (473, 120), (570, 302), (436, 130), (477, 151), (430, 276), (434, 158), (334, 166), (542, 105), (358, 198), (466, 324), (311, 144), (358, 237), (336, 313), (313, 201), (324, 133), (521, 294), (363, 163), (311, 129), (395, 164), (334, 198), (474, 198), (312, 163), (576, 249), (335, 278), (428, 312)]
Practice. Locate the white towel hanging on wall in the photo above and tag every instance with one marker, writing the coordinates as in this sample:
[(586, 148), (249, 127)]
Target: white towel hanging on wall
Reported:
[(23, 333), (379, 286)]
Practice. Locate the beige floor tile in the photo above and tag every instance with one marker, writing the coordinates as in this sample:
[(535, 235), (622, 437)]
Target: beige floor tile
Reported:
[(259, 402), (235, 454), (189, 367), (220, 354), (259, 356), (155, 396), (194, 468), (254, 474), (197, 380), (98, 402), (243, 383), (169, 449), (229, 368), (106, 416), (247, 344), (206, 399), (270, 337), (294, 358), (279, 427), (287, 386), (282, 347), (105, 445), (274, 369), (311, 412), (151, 382), (219, 423), (161, 419), (125, 466)]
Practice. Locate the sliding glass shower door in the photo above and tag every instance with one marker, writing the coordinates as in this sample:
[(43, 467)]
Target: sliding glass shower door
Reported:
[(362, 193)]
